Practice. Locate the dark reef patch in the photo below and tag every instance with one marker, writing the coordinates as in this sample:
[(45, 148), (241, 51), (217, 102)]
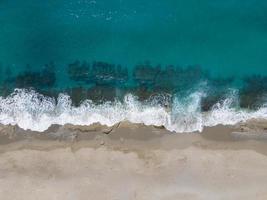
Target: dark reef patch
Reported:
[(46, 78), (254, 91), (102, 81)]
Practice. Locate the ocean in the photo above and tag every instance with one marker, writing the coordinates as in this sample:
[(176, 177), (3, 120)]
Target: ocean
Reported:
[(182, 65)]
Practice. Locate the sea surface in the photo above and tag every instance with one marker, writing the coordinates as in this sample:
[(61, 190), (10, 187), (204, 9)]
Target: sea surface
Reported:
[(181, 64)]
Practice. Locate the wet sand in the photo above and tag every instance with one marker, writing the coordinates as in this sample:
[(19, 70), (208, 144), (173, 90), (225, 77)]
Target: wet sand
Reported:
[(134, 162)]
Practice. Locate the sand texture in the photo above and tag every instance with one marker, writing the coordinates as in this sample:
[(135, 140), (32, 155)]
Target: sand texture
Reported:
[(133, 162)]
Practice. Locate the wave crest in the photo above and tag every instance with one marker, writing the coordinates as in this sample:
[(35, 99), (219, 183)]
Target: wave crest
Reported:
[(31, 110)]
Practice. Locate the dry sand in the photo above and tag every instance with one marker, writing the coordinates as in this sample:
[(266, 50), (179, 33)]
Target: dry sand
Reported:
[(130, 162)]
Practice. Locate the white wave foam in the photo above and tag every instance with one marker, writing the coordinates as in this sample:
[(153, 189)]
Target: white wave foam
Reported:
[(30, 110)]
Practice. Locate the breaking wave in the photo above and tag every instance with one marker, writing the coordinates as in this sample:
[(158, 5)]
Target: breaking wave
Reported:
[(31, 110)]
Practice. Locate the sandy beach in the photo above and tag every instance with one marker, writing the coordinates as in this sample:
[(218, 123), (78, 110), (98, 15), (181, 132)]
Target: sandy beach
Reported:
[(133, 100), (134, 162)]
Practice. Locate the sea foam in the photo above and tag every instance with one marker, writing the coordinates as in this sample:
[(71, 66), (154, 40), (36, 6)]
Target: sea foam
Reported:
[(31, 110)]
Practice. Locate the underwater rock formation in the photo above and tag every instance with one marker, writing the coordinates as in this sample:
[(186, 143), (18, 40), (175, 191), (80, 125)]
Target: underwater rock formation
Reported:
[(103, 73), (78, 71), (102, 81), (176, 79), (7, 85), (38, 80), (101, 93), (122, 75), (254, 91), (28, 79), (108, 74), (167, 80), (99, 73), (77, 95), (145, 75), (98, 94), (48, 75), (146, 78)]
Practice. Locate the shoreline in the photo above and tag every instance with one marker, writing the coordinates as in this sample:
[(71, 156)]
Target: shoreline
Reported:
[(128, 134), (133, 161)]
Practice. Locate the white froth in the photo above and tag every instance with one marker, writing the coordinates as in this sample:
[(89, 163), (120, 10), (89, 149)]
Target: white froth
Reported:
[(30, 110)]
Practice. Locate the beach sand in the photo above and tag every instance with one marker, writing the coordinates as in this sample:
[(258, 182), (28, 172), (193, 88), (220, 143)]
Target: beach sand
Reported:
[(131, 162)]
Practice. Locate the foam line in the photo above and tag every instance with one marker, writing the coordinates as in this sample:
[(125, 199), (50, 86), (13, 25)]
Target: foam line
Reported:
[(30, 110)]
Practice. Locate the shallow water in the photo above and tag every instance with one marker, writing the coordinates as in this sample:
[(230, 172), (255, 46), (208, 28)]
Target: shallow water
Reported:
[(177, 60)]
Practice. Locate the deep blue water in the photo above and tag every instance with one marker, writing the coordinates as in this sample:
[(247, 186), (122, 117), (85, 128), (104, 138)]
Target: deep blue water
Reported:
[(105, 49)]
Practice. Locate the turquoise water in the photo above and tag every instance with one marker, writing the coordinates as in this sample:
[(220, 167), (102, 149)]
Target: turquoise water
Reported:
[(103, 50), (227, 37)]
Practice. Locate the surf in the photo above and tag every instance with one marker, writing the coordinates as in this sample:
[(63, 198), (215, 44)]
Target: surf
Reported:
[(31, 110)]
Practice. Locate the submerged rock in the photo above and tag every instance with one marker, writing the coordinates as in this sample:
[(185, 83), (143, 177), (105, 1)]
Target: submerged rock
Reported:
[(167, 79), (122, 75), (78, 71), (48, 75), (28, 79), (101, 93), (254, 91), (99, 73), (145, 74), (176, 79), (39, 80), (77, 95), (103, 73), (108, 74)]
